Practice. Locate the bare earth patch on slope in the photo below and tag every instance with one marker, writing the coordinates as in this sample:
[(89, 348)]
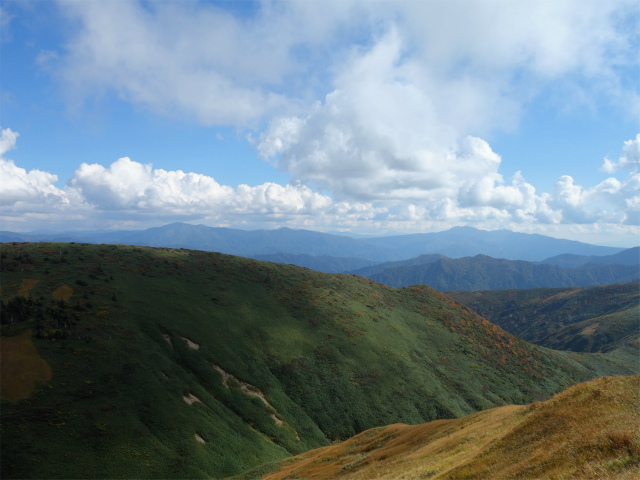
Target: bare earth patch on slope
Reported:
[(247, 389), (191, 399), (192, 345)]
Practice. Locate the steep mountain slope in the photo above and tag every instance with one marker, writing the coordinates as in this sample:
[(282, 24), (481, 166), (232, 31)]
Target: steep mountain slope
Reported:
[(630, 256), (579, 319), (177, 363), (592, 430), (486, 273)]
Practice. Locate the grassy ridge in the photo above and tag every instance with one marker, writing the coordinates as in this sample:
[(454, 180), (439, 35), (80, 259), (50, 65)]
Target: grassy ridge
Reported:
[(591, 430), (155, 351)]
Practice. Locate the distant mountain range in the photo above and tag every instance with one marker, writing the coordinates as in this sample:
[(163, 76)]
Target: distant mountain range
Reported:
[(454, 243), (630, 256), (323, 263), (486, 273)]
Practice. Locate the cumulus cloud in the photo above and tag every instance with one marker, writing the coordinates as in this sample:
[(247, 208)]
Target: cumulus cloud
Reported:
[(386, 135), (611, 201), (21, 188), (132, 186), (377, 137), (129, 189), (629, 159), (99, 196)]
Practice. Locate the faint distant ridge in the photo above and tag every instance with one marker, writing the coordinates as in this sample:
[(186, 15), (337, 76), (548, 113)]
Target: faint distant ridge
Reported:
[(379, 268), (322, 263), (454, 243), (486, 273), (468, 241), (631, 256)]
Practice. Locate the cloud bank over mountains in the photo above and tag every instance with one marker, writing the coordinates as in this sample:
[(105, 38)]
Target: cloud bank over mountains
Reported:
[(378, 111), (136, 192)]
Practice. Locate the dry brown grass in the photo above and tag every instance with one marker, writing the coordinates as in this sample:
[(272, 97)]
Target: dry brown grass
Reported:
[(63, 293), (21, 367), (27, 285), (589, 431)]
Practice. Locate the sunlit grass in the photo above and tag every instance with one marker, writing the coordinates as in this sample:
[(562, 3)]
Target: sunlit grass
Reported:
[(590, 431)]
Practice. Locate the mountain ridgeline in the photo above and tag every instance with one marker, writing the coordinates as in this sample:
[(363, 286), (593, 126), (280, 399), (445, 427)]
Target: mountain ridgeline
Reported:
[(486, 273), (630, 256), (154, 362), (454, 243)]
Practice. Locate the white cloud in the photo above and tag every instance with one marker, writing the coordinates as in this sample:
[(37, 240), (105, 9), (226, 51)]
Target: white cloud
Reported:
[(384, 136), (377, 136), (195, 58), (478, 63), (611, 201), (21, 189), (630, 157), (131, 186), (8, 140), (27, 189), (139, 195), (128, 189)]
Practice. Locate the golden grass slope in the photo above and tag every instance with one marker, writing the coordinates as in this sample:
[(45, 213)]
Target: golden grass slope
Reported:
[(21, 367), (27, 285), (63, 293), (591, 430)]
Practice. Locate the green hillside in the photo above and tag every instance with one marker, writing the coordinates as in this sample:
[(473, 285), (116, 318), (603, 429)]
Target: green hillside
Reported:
[(185, 364)]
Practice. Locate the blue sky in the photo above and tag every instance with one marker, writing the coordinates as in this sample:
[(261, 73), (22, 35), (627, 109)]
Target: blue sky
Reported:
[(369, 117)]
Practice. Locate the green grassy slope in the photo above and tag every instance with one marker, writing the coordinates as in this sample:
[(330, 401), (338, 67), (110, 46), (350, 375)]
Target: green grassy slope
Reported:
[(144, 329)]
